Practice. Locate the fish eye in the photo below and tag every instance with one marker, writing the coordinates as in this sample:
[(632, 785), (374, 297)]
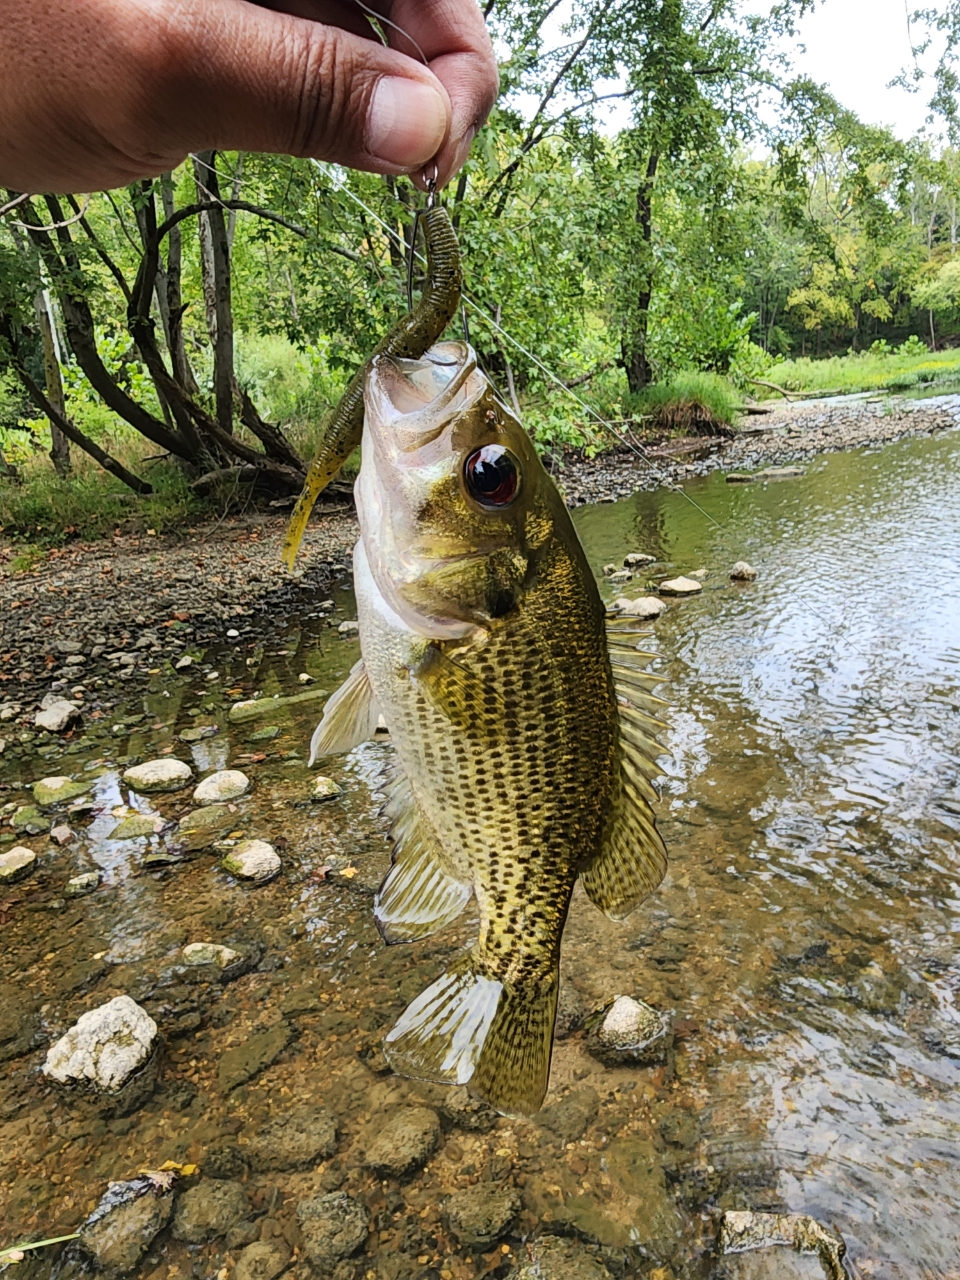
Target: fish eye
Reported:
[(492, 476)]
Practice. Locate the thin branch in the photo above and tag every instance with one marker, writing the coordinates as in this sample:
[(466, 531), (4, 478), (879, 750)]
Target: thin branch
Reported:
[(101, 252), (57, 226), (14, 203)]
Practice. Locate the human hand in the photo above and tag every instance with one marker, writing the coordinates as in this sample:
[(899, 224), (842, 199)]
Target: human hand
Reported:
[(97, 93)]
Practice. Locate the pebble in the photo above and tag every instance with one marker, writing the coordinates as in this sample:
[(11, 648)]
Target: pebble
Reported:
[(680, 587), (209, 1210), (743, 572), (80, 886), (404, 1143), (62, 835), (305, 678), (253, 860), (351, 628), (333, 1227), (56, 714), (224, 785), (17, 864), (209, 953), (124, 1224), (645, 607), (326, 789), (105, 1047), (233, 634), (182, 664), (478, 1216), (159, 775), (51, 791), (295, 1139)]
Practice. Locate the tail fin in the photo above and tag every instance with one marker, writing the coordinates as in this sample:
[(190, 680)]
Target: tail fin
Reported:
[(470, 1029)]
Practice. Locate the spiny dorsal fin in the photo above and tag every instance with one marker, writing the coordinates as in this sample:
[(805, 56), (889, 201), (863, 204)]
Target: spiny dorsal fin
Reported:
[(419, 895), (349, 717)]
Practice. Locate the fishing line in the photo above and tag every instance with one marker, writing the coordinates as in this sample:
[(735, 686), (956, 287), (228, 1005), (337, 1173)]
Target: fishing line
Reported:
[(378, 17)]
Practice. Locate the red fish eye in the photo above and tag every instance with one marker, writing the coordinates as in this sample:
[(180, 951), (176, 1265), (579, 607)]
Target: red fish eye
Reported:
[(492, 476)]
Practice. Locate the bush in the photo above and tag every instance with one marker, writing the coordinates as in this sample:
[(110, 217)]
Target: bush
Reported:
[(701, 404), (913, 346)]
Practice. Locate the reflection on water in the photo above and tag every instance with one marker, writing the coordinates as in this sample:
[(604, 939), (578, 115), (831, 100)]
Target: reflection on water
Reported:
[(805, 938)]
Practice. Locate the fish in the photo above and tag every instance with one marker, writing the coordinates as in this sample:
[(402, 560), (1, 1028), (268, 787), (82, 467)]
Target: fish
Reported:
[(410, 337), (523, 719)]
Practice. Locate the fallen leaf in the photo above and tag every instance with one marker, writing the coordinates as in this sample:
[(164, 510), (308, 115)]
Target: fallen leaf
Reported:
[(348, 872)]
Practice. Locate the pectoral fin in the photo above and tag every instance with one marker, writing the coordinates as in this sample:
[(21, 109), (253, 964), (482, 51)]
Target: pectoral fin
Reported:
[(461, 695), (349, 718)]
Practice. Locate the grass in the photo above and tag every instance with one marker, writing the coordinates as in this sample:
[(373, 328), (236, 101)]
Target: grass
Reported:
[(688, 404), (868, 371)]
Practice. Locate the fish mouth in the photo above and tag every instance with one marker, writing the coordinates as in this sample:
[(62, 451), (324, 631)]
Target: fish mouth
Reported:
[(411, 402)]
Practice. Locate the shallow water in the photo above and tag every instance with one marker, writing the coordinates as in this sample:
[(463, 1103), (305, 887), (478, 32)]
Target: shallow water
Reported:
[(805, 938)]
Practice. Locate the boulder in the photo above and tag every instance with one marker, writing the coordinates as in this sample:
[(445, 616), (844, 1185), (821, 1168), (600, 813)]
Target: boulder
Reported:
[(213, 817), (629, 1031), (125, 1223), (294, 1140), (480, 1215), (332, 1227), (645, 607), (209, 1210), (254, 861), (196, 953), (159, 775), (326, 789), (680, 587), (50, 791), (57, 714), (262, 1260), (105, 1048), (16, 864), (743, 572), (557, 1258), (404, 1143), (79, 886), (222, 786), (568, 1119)]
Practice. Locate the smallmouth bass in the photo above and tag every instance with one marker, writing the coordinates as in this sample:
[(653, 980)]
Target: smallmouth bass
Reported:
[(524, 732)]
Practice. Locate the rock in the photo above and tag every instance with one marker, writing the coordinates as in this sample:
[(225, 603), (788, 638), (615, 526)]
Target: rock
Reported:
[(213, 817), (325, 789), (125, 1223), (263, 1260), (571, 1011), (209, 953), (351, 628), (80, 886), (739, 477), (480, 1215), (256, 707), (306, 678), (769, 1264), (568, 1119), (3, 745), (233, 634), (267, 734), (620, 575), (556, 1258), (209, 1210), (134, 827), (333, 1227), (29, 820), (105, 1048), (254, 861), (645, 607), (242, 1063), (630, 1031), (461, 1108), (50, 791), (636, 559), (610, 569), (57, 714), (183, 663), (242, 1234), (680, 587), (404, 1143), (743, 572), (780, 473), (17, 864), (159, 775), (62, 835), (874, 991), (199, 733), (742, 1231), (293, 1140), (224, 785), (10, 710)]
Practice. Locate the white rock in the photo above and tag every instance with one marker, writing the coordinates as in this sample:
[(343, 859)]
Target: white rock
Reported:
[(10, 710), (182, 663), (349, 628), (56, 714), (105, 1047), (637, 559), (159, 775), (253, 860), (743, 572), (326, 789), (16, 864), (3, 745), (209, 953), (305, 677), (233, 634), (225, 784), (80, 886), (630, 1022), (62, 835), (680, 587), (645, 607)]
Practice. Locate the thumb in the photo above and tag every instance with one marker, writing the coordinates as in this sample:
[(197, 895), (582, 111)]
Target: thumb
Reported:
[(234, 76)]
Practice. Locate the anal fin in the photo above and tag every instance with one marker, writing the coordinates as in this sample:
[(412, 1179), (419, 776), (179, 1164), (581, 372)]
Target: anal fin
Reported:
[(349, 717)]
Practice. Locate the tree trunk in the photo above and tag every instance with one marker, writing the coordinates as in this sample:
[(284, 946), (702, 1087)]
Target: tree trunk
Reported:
[(182, 369), (634, 347), (59, 444), (215, 246)]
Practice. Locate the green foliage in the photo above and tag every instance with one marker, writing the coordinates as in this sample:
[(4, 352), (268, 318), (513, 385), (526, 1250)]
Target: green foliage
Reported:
[(867, 371), (688, 404)]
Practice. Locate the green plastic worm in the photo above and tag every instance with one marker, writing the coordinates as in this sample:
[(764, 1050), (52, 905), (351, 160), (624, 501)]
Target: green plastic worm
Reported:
[(409, 338)]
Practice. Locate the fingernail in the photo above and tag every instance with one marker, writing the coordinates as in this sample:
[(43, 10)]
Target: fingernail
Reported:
[(406, 122)]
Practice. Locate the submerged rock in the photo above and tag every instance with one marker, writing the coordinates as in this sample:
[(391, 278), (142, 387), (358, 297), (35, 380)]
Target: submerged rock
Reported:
[(326, 789), (254, 861), (209, 1210), (212, 817), (57, 714), (628, 1031), (645, 607), (159, 775), (134, 827), (242, 1063), (480, 1215), (125, 1223), (50, 791), (29, 820), (637, 559), (333, 1227), (780, 473), (743, 572), (79, 886), (461, 1108), (105, 1048), (680, 587), (262, 1260), (350, 628), (557, 1258), (404, 1143), (739, 477), (17, 864), (568, 1119), (226, 784), (253, 708), (294, 1140), (742, 1231), (196, 953)]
